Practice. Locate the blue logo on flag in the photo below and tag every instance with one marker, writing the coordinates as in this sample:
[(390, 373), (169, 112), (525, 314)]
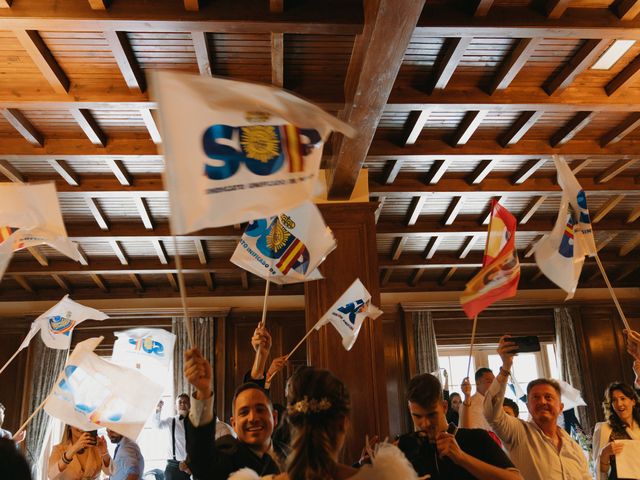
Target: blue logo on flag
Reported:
[(352, 309)]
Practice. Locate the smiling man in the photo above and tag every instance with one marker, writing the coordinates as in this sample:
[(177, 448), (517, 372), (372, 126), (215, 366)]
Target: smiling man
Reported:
[(253, 420), (539, 448), (457, 453)]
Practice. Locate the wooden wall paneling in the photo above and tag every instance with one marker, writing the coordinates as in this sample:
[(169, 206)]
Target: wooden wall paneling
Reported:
[(12, 332), (220, 372), (395, 362), (361, 369)]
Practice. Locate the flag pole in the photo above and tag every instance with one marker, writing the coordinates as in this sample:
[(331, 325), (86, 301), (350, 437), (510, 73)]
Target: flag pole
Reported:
[(183, 297), (264, 305), (267, 382), (613, 293), (473, 338), (28, 420), (10, 360)]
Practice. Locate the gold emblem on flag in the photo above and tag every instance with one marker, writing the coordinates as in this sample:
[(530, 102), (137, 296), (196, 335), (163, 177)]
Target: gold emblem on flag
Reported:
[(257, 116), (277, 237), (260, 142)]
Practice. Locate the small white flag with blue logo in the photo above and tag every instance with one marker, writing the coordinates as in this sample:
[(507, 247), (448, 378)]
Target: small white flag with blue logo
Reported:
[(57, 323), (236, 151), (349, 312), (560, 255), (149, 350), (286, 248), (91, 393)]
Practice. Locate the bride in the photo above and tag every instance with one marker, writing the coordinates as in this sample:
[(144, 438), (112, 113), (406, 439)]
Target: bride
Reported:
[(318, 410)]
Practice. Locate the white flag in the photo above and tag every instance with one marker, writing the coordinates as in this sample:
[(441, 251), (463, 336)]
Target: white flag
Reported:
[(286, 248), (92, 393), (57, 323), (236, 151), (560, 255), (29, 216), (149, 350), (349, 312)]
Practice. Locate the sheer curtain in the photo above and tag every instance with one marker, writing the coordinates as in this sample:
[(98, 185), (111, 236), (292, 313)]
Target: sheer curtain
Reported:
[(203, 336), (568, 358), (46, 365), (425, 342)]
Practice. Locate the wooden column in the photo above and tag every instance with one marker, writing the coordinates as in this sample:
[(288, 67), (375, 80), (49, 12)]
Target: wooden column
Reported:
[(362, 368)]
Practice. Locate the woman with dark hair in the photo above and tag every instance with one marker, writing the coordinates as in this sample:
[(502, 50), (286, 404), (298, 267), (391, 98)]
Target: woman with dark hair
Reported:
[(454, 405), (80, 456), (622, 411), (318, 411)]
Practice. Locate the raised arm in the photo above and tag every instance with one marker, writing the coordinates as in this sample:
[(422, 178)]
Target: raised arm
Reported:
[(261, 343), (465, 409), (509, 429)]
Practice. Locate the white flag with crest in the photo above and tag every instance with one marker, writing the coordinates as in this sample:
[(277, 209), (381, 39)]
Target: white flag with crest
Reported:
[(30, 216), (348, 313), (236, 151), (149, 350), (286, 248), (57, 323), (92, 393)]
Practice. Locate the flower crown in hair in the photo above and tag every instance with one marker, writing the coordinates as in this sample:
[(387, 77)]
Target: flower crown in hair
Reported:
[(306, 406)]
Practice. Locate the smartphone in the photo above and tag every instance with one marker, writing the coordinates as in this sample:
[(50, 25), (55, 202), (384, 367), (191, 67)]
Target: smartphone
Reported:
[(530, 343), (94, 436), (452, 429)]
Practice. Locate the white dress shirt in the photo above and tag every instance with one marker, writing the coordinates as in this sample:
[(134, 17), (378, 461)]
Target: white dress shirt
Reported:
[(601, 434), (476, 413), (181, 443), (531, 451)]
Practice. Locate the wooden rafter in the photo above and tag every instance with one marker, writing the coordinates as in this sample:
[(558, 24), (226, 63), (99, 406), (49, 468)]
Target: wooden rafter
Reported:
[(83, 256), (487, 215), (89, 126), (392, 170), (416, 276), (99, 4), (626, 9), (454, 210), (24, 127), (277, 59), (244, 278), (192, 5), (634, 215), (624, 78), (450, 55), (527, 170), (203, 52), (609, 205), (579, 121), (99, 282), (23, 283), (631, 123), (276, 6), (385, 276), (519, 128), (531, 209), (482, 170), (5, 3), (432, 247), (119, 170), (119, 252), (32, 42), (11, 172), (97, 213), (135, 279), (437, 170), (160, 251), (469, 243), (59, 279), (626, 271), (415, 209), (399, 247), (143, 211), (580, 165), (150, 123), (201, 251), (414, 125), (374, 65), (447, 274), (556, 8), (606, 240), (381, 200), (208, 279), (583, 59), (513, 63), (630, 245), (616, 169), (39, 256), (126, 60), (468, 126), (482, 8), (65, 171)]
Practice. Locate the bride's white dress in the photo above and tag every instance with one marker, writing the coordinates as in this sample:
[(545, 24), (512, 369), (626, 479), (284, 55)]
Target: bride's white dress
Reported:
[(389, 463)]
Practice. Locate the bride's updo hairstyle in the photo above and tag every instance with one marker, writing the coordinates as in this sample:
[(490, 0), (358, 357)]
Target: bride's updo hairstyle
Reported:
[(317, 404)]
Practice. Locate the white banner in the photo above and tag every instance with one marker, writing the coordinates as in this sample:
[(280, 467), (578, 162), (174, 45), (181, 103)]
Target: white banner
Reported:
[(236, 151), (91, 393), (348, 313), (57, 323), (149, 350), (286, 248)]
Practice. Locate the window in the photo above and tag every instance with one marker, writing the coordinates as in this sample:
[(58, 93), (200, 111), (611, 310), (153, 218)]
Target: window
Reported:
[(526, 367)]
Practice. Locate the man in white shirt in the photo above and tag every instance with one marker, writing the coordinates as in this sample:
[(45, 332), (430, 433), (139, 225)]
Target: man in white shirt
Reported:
[(176, 468), (471, 411), (539, 448)]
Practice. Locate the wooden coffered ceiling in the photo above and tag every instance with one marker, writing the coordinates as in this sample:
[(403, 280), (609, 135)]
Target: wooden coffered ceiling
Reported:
[(456, 103)]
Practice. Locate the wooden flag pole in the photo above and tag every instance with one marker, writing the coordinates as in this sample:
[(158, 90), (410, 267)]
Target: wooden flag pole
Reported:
[(473, 338), (263, 322), (28, 420), (183, 298), (613, 294), (268, 380)]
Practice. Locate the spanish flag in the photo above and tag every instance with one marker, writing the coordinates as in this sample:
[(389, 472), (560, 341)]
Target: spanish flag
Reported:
[(500, 273)]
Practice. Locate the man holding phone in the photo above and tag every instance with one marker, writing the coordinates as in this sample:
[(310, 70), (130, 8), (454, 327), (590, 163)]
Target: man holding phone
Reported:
[(445, 451), (539, 448)]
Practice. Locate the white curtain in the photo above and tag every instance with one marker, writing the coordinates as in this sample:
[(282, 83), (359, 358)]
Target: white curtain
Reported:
[(425, 342), (203, 336), (568, 358)]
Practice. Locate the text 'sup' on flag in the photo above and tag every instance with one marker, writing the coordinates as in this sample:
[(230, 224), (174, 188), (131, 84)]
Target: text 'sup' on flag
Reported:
[(236, 151), (30, 216), (286, 248), (500, 273), (92, 393), (149, 350), (349, 312)]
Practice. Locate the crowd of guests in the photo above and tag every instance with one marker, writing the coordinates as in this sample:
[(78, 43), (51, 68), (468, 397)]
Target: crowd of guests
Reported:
[(455, 436)]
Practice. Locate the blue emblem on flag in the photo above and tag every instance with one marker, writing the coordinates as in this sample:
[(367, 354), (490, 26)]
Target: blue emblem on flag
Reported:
[(352, 309), (61, 324)]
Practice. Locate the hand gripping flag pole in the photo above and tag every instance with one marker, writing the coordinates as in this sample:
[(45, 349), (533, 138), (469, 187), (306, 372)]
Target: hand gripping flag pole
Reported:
[(263, 322), (183, 298)]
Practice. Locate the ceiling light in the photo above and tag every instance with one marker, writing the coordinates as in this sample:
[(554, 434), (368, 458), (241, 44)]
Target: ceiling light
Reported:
[(612, 54)]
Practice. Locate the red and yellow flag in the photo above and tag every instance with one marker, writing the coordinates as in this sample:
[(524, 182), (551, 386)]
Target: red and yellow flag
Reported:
[(498, 278)]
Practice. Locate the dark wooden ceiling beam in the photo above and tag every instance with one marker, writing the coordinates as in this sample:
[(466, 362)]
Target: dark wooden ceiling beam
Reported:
[(143, 211), (513, 63), (23, 283), (469, 243), (634, 215), (631, 123), (482, 8), (616, 169), (392, 170), (527, 170), (65, 171), (486, 215), (97, 213), (482, 170), (572, 128), (119, 252), (372, 71), (583, 59), (385, 276), (203, 53), (623, 79), (99, 282), (520, 127), (556, 8), (448, 59), (24, 127), (398, 248), (59, 279), (415, 209), (192, 5), (416, 276), (126, 59), (11, 172), (38, 255), (606, 240), (99, 4), (201, 251), (32, 42), (453, 210), (276, 6), (446, 275), (5, 3), (120, 171), (609, 205), (432, 247), (89, 126), (208, 279), (135, 279), (160, 251), (467, 127), (626, 9), (630, 245), (414, 125), (437, 170), (152, 126), (277, 59), (531, 209)]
